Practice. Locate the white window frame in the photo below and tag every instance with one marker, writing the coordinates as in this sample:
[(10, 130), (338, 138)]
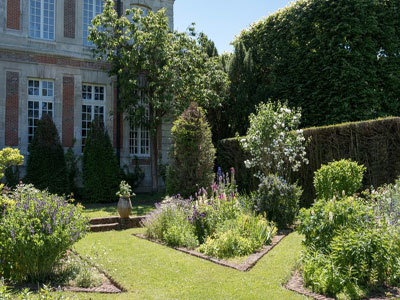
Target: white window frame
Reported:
[(42, 25), (43, 101), (97, 8), (94, 105)]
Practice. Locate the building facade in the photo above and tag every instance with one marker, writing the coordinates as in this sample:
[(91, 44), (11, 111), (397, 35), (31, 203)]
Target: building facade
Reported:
[(47, 67)]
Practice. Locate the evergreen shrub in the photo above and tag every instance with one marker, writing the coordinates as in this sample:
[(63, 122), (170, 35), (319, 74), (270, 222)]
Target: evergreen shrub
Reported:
[(101, 173), (278, 200), (46, 167), (192, 155)]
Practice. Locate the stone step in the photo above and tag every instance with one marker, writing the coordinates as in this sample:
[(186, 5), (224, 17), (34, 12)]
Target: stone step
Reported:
[(115, 223), (104, 227), (106, 220)]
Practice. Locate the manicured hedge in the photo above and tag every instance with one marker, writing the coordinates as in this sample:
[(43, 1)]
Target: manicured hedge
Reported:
[(374, 143)]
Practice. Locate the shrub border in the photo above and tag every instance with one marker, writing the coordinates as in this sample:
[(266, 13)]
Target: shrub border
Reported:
[(245, 266)]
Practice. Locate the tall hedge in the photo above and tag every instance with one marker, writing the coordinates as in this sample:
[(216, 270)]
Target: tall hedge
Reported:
[(337, 60), (46, 168), (374, 143), (192, 155), (101, 173)]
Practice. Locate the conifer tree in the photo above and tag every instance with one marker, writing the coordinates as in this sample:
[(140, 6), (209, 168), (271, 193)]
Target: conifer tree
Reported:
[(193, 153), (101, 173), (46, 168)]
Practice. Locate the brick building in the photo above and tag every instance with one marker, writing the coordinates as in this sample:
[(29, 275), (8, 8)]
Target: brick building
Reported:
[(46, 66)]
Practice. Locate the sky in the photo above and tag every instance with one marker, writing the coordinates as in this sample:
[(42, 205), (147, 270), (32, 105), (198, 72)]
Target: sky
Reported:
[(221, 20)]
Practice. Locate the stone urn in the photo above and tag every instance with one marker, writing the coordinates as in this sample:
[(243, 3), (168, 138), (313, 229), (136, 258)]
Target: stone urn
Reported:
[(124, 207)]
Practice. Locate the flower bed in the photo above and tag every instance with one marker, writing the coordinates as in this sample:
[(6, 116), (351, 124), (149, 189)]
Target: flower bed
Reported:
[(218, 224)]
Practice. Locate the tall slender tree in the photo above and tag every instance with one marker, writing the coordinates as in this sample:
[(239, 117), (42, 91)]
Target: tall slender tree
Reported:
[(158, 68)]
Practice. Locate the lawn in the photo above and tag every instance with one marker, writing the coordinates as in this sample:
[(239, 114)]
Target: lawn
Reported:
[(142, 204), (151, 271)]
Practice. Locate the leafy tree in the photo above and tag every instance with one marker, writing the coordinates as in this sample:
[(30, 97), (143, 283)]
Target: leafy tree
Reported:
[(9, 157), (46, 168), (101, 173), (157, 68), (193, 154), (337, 60)]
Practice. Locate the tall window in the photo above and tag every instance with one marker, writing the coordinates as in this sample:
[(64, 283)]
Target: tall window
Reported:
[(93, 106), (139, 136), (40, 102), (91, 8), (41, 19), (139, 139)]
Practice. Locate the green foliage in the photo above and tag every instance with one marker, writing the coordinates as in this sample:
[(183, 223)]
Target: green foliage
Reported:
[(219, 222), (36, 232), (386, 202), (46, 167), (170, 68), (239, 237), (44, 293), (125, 190), (349, 250), (192, 155), (324, 219), (337, 60), (9, 157), (133, 178), (338, 178), (274, 142), (101, 173), (233, 116), (278, 200), (12, 176), (71, 161), (374, 143), (169, 223)]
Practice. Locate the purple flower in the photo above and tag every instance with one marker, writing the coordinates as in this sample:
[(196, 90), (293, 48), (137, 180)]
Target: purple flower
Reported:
[(219, 172)]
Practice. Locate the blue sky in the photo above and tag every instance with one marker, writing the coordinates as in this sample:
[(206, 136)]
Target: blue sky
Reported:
[(221, 20)]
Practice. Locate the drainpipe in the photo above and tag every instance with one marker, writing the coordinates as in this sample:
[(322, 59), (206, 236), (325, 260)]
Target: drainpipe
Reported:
[(118, 123)]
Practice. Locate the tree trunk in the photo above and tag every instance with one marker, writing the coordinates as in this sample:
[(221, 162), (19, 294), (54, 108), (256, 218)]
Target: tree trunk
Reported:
[(154, 161)]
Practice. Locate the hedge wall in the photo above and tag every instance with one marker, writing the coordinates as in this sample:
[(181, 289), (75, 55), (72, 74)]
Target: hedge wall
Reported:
[(374, 143)]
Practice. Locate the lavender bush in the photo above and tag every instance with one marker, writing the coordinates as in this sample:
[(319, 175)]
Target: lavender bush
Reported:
[(197, 221), (36, 233)]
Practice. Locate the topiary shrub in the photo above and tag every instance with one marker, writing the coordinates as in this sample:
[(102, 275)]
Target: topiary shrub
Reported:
[(36, 232), (193, 154), (278, 199), (46, 168), (337, 177), (101, 173)]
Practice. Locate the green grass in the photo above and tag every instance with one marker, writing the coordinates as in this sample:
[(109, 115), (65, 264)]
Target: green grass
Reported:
[(142, 204), (151, 271)]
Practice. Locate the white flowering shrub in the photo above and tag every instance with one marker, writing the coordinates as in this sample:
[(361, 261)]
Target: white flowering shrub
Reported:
[(275, 143)]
